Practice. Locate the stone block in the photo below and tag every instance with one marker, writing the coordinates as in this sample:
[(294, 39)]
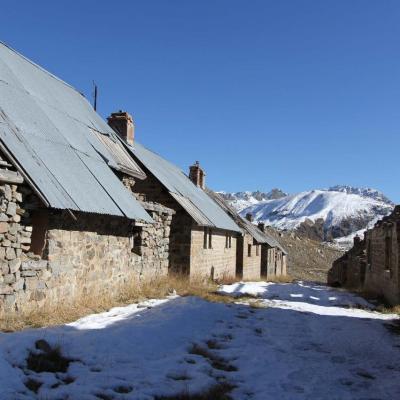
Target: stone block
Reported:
[(14, 265), (9, 279), (34, 265), (3, 217), (28, 273), (5, 289), (11, 209), (4, 226), (10, 253)]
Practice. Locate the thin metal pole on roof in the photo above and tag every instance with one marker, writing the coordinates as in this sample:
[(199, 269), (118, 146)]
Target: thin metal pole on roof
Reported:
[(95, 96)]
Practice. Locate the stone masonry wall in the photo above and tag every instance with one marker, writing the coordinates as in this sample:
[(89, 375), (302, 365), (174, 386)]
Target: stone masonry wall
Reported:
[(248, 267), (187, 254), (349, 270), (217, 262), (383, 246), (93, 254)]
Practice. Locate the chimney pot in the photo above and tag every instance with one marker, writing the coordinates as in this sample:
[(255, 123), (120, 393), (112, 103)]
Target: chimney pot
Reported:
[(122, 123), (249, 217), (197, 175)]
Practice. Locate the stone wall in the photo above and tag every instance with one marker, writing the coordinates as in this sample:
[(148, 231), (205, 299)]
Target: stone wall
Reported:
[(187, 253), (382, 247), (51, 256), (273, 262), (372, 265), (349, 270), (217, 262), (248, 266)]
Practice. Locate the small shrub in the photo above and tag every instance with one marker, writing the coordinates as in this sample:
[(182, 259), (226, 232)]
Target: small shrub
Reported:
[(219, 391), (49, 360)]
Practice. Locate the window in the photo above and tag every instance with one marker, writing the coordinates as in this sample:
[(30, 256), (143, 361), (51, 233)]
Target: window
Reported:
[(257, 249), (137, 240), (249, 250), (40, 221), (207, 238), (228, 241)]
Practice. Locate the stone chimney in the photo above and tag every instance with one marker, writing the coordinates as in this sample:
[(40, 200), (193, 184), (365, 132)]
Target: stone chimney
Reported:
[(122, 123), (249, 217), (261, 226), (197, 175)]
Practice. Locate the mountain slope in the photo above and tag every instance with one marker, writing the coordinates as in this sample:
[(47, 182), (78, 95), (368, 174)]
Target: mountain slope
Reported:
[(319, 214)]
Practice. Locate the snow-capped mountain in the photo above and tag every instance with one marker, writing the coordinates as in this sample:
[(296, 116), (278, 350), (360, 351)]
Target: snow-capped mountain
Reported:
[(242, 200), (323, 214)]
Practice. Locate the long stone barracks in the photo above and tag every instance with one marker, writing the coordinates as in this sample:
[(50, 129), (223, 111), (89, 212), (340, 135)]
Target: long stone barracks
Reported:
[(84, 208), (372, 265)]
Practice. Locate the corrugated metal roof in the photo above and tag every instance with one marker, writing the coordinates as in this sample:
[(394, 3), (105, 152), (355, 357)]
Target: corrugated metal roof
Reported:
[(247, 226), (48, 127), (204, 210)]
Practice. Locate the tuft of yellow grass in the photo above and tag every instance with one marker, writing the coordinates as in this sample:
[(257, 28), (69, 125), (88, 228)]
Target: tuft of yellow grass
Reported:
[(93, 302), (279, 279)]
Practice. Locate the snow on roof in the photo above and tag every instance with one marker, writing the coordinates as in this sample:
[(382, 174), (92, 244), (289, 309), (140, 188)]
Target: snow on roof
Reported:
[(47, 127)]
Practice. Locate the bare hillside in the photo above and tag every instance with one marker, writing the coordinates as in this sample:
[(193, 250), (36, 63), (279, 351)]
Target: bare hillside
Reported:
[(308, 259)]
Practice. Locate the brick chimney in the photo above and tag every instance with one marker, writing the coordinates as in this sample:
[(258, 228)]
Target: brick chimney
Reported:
[(197, 175), (249, 217), (122, 123), (261, 226)]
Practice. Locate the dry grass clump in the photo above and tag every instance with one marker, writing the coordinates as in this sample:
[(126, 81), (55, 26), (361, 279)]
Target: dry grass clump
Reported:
[(385, 309), (94, 302), (279, 279)]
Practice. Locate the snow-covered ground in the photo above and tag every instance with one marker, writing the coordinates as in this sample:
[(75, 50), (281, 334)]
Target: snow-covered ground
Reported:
[(302, 341)]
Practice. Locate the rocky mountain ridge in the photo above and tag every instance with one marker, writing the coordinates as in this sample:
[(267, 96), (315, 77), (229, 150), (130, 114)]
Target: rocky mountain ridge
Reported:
[(337, 213)]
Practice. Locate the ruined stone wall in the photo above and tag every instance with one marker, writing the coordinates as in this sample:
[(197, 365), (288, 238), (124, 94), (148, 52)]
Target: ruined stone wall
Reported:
[(217, 262), (349, 270), (382, 271), (47, 257), (248, 266)]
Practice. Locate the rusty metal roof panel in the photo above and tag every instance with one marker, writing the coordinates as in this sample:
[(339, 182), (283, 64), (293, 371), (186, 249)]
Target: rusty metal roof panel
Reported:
[(194, 200), (48, 127)]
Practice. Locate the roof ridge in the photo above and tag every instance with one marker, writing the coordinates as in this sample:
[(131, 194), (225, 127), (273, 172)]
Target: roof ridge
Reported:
[(39, 67)]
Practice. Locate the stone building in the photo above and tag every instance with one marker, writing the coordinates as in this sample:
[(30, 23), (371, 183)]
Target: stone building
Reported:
[(273, 256), (202, 237), (372, 265), (68, 225), (258, 254)]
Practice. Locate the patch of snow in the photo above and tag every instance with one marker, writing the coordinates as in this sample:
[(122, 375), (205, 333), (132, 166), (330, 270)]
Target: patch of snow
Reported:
[(311, 342)]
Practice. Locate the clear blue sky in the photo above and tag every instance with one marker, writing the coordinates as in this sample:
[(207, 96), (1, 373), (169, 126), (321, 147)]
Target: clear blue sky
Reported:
[(293, 94)]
